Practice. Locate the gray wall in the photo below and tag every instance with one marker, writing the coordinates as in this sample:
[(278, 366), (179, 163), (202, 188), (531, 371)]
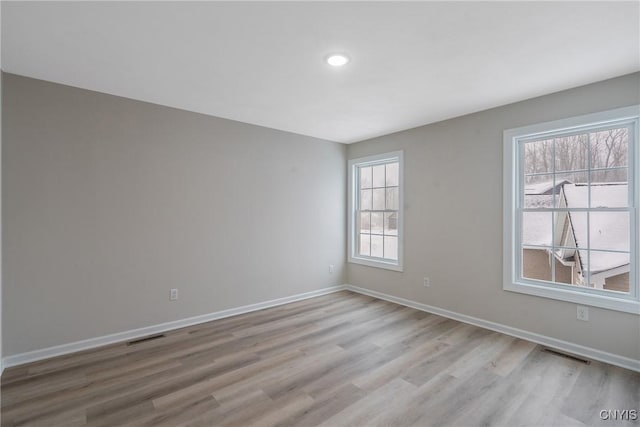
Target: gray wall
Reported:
[(453, 220), (1, 353), (110, 202), (1, 323)]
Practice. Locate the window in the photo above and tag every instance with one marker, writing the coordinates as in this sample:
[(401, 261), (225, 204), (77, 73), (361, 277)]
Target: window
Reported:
[(570, 209), (375, 211)]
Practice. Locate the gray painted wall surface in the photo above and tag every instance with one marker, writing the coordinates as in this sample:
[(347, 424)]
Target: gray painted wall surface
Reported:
[(110, 202), (1, 351), (453, 220)]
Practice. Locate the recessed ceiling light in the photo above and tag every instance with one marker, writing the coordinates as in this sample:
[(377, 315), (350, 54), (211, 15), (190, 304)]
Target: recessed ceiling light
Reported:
[(337, 60)]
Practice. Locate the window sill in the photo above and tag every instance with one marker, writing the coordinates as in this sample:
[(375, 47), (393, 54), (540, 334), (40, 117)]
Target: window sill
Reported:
[(623, 304), (378, 264)]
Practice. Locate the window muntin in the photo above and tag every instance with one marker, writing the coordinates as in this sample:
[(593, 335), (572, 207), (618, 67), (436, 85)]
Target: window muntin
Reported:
[(576, 207), (375, 204), (570, 210)]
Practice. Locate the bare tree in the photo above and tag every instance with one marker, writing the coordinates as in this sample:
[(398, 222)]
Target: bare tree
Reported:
[(607, 150)]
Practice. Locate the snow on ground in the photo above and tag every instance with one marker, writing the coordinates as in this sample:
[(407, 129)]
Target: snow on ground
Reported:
[(538, 201)]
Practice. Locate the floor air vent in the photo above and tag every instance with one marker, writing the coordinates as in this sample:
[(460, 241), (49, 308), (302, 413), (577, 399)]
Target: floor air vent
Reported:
[(566, 356), (145, 339)]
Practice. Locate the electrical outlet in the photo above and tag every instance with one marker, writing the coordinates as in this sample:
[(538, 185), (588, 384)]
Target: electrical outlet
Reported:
[(583, 313), (173, 295), (427, 282), (331, 268)]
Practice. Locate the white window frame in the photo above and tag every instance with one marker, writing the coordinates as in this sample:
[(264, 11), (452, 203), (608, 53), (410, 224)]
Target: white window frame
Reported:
[(629, 303), (353, 256)]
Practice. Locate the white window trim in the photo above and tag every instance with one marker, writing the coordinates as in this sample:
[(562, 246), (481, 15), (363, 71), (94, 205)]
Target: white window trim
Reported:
[(352, 192), (511, 282)]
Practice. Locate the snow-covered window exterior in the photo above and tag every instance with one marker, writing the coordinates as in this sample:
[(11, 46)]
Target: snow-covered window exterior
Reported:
[(571, 193), (375, 211)]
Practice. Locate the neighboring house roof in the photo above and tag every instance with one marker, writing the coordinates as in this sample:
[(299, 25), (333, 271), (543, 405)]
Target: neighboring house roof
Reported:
[(608, 230), (536, 229), (545, 188)]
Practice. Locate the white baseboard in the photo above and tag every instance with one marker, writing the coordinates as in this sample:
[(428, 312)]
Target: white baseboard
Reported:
[(591, 353), (59, 350), (588, 352)]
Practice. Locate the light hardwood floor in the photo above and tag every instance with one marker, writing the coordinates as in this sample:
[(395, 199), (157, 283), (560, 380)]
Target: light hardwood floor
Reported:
[(339, 360)]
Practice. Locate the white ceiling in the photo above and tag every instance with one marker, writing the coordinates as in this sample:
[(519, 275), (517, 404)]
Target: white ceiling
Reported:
[(263, 63)]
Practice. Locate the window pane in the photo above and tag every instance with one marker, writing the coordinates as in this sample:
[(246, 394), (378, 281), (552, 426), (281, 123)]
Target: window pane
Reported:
[(610, 176), (378, 199), (608, 230), (391, 223), (393, 175), (609, 148), (611, 268), (571, 247), (536, 228), (573, 193), (365, 200), (365, 177), (392, 198), (391, 247), (365, 222), (538, 156), (538, 184), (377, 246), (365, 244), (611, 280), (535, 264), (538, 191), (378, 176), (571, 153), (376, 222), (571, 229), (565, 271), (609, 195)]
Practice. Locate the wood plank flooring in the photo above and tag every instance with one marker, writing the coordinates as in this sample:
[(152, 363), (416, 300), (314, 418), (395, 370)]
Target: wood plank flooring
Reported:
[(338, 360)]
